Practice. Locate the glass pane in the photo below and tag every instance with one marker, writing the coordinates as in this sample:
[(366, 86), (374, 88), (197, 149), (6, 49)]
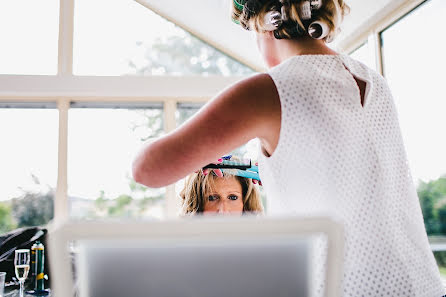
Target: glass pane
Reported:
[(414, 65), (29, 33), (135, 41), (248, 151), (364, 54), (102, 145), (28, 170)]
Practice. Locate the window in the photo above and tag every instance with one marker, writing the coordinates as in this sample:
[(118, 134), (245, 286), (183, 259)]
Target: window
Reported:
[(135, 41), (414, 64), (365, 54), (28, 170), (103, 140), (29, 33)]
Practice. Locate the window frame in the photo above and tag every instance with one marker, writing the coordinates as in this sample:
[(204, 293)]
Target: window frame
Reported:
[(379, 23)]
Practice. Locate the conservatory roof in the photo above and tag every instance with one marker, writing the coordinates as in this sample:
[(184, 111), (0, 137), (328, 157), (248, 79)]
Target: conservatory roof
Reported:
[(209, 20)]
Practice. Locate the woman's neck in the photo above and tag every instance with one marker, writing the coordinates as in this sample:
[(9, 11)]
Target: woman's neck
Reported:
[(287, 48)]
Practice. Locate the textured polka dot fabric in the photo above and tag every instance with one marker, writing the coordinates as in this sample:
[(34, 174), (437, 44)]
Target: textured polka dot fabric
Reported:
[(338, 157)]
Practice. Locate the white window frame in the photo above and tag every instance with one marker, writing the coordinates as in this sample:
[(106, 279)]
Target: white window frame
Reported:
[(372, 32), (64, 88)]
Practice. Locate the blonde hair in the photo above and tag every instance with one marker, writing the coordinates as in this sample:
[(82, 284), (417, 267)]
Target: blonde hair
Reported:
[(197, 185), (253, 14)]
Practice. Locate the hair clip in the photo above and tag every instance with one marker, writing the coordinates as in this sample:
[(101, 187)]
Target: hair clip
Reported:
[(272, 21), (318, 30), (305, 10), (239, 4), (316, 4)]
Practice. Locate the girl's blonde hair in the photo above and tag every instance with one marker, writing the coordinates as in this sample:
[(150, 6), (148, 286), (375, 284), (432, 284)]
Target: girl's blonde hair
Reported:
[(197, 185), (252, 16)]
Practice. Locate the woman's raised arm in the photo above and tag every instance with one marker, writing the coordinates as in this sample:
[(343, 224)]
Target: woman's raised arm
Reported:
[(240, 113)]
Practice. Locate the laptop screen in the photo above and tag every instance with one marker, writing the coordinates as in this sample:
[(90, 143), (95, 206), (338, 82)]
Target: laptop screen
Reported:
[(194, 268)]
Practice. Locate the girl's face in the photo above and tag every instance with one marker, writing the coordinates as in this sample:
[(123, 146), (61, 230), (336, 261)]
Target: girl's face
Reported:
[(267, 47), (226, 197)]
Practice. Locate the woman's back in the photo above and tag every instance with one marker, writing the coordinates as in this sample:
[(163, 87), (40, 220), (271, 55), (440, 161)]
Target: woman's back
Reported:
[(340, 156)]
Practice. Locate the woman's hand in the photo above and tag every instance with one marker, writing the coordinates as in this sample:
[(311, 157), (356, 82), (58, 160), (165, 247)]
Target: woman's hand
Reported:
[(217, 171)]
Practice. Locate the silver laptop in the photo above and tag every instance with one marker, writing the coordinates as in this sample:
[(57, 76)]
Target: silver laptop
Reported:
[(203, 257)]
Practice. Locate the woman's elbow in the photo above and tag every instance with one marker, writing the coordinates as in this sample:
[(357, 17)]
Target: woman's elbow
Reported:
[(144, 176), (137, 172)]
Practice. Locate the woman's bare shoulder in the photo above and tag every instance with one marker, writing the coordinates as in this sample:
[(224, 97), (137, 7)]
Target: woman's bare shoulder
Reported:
[(257, 94), (259, 86), (261, 98)]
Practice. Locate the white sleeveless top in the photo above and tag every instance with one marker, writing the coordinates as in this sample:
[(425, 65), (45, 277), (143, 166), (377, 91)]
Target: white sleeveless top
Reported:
[(337, 157)]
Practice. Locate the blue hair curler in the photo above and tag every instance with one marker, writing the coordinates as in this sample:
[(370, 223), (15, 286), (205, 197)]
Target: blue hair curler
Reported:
[(252, 172), (242, 168)]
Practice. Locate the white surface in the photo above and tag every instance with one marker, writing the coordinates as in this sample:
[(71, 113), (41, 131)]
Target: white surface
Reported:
[(198, 228)]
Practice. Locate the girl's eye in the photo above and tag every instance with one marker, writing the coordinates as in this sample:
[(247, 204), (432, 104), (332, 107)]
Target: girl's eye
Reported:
[(233, 197), (212, 197)]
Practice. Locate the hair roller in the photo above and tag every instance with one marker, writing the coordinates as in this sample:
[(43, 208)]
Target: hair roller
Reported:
[(318, 30), (272, 20), (305, 10), (316, 4), (284, 8), (239, 4)]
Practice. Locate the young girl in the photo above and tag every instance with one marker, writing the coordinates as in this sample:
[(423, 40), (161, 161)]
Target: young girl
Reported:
[(331, 145), (212, 194)]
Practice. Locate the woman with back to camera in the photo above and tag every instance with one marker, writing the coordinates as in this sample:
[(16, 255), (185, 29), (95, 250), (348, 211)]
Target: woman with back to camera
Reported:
[(330, 141)]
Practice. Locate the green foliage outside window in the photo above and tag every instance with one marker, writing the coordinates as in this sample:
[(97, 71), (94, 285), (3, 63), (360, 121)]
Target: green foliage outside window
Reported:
[(6, 220), (30, 209), (432, 197), (125, 206)]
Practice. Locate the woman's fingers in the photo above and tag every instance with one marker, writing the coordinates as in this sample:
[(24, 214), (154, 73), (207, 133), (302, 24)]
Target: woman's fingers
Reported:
[(218, 172)]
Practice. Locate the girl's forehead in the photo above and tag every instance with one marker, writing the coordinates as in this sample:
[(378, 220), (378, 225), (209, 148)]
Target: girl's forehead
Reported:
[(224, 183)]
